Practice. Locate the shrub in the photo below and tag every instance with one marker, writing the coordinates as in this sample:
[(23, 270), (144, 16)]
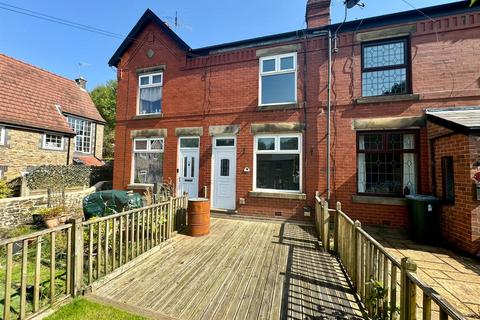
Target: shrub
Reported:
[(5, 190), (50, 212)]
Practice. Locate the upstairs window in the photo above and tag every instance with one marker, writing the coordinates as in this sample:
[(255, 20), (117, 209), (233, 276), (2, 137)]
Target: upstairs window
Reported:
[(385, 68), (2, 136), (85, 134), (52, 141), (387, 163), (278, 79), (278, 163), (150, 93), (148, 160)]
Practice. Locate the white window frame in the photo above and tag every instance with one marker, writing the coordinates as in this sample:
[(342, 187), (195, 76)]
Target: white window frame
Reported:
[(278, 151), (47, 147), (92, 134), (147, 150), (275, 72), (149, 85), (2, 136)]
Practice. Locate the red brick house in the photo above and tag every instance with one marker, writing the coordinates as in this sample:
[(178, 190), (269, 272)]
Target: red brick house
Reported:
[(247, 123), (45, 119)]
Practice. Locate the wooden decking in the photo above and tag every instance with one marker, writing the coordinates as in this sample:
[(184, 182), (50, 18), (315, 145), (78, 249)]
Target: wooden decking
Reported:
[(242, 270)]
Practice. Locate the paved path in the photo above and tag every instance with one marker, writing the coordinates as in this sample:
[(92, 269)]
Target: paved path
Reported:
[(455, 277), (242, 270)]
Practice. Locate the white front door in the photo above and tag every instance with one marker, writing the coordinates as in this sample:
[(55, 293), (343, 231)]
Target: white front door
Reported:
[(224, 172), (188, 162)]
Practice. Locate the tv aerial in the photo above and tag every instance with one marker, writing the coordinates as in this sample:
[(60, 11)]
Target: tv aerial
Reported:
[(177, 23), (352, 3)]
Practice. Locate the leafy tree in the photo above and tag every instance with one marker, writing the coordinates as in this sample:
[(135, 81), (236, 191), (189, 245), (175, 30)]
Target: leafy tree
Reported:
[(105, 99), (472, 2)]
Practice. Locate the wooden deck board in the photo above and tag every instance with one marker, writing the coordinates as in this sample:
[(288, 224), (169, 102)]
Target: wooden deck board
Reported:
[(242, 270)]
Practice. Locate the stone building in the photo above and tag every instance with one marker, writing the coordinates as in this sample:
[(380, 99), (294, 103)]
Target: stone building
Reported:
[(45, 119)]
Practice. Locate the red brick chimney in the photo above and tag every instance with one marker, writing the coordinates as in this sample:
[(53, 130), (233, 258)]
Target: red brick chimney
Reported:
[(318, 13)]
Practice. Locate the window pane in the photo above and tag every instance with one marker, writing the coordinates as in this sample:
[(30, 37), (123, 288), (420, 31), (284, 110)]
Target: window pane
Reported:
[(157, 78), (278, 171), (225, 142), (384, 173), (192, 169), (140, 144), (384, 82), (268, 65), (144, 80), (266, 144), (286, 63), (150, 100), (189, 143), (156, 144), (395, 141), (148, 167), (224, 167), (290, 143), (383, 55), (278, 88), (371, 142)]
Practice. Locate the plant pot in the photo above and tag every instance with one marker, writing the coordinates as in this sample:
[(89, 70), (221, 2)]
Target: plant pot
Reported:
[(63, 219), (51, 222)]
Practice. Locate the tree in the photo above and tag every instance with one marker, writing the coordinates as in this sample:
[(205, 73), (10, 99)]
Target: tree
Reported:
[(472, 2), (105, 99)]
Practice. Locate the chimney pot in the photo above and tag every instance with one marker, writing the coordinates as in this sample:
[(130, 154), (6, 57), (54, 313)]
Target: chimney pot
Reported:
[(81, 82), (318, 13)]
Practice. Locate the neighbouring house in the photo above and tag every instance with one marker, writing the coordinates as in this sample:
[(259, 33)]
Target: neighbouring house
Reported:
[(45, 119), (250, 123)]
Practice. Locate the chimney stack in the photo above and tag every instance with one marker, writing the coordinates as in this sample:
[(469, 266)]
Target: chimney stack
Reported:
[(318, 13), (81, 82)]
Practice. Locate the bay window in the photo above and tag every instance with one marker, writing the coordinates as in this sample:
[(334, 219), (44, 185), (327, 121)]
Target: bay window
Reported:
[(387, 163), (148, 160), (150, 93), (278, 79), (277, 163)]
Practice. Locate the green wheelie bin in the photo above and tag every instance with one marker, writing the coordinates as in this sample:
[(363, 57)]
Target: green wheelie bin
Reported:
[(424, 219)]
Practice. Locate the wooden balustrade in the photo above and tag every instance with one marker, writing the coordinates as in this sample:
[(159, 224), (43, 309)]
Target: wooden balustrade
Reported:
[(387, 287), (42, 268)]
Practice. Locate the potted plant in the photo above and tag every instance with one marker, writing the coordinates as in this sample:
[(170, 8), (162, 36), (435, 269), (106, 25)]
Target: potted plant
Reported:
[(50, 217)]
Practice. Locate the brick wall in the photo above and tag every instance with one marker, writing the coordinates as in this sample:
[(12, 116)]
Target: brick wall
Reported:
[(222, 88), (459, 220), (24, 148)]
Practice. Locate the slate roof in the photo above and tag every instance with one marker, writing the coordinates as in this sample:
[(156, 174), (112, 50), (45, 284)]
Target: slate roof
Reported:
[(458, 118), (29, 95)]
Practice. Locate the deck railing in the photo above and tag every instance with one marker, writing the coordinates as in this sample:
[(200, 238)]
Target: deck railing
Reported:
[(42, 268), (386, 286)]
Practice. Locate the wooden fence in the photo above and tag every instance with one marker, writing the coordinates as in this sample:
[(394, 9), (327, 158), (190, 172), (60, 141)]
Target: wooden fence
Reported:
[(45, 267), (388, 288)]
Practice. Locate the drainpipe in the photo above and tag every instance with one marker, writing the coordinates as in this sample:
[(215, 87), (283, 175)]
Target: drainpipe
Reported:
[(329, 106)]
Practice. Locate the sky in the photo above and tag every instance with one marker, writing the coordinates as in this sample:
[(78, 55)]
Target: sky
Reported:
[(60, 49)]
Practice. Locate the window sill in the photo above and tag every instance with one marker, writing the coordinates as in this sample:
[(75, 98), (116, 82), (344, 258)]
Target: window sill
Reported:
[(148, 116), (388, 98), (139, 186), (379, 200), (278, 195), (282, 106)]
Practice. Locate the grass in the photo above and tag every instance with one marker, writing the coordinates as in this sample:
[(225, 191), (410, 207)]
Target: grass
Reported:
[(81, 308)]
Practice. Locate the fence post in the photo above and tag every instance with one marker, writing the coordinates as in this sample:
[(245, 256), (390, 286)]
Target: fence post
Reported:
[(170, 217), (356, 254), (407, 290), (326, 226), (77, 257), (318, 211), (336, 227)]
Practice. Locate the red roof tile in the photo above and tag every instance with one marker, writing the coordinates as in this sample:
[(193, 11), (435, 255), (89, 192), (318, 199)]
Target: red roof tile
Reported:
[(28, 96), (90, 161)]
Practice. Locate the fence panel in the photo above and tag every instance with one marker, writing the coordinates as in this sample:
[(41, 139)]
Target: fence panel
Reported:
[(388, 288)]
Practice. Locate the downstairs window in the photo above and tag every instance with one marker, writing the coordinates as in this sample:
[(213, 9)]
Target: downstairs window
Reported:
[(387, 163), (148, 160)]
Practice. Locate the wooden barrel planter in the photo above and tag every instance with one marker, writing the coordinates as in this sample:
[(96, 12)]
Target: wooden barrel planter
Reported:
[(198, 217)]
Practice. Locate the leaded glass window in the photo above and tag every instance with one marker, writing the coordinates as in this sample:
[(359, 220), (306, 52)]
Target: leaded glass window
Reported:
[(387, 163), (385, 68)]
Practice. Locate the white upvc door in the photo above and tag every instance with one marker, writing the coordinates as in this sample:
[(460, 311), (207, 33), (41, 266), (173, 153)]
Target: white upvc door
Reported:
[(188, 162), (224, 173)]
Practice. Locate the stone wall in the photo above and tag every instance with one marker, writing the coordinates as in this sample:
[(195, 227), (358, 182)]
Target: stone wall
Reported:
[(99, 141), (18, 211), (24, 148)]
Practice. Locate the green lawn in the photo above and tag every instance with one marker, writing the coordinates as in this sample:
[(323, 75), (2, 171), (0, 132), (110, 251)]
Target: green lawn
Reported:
[(81, 308)]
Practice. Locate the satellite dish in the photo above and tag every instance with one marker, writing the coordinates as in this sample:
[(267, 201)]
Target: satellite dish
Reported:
[(352, 3)]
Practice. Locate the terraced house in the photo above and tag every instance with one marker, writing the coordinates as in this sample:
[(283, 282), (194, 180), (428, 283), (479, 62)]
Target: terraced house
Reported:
[(45, 119), (350, 110)]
